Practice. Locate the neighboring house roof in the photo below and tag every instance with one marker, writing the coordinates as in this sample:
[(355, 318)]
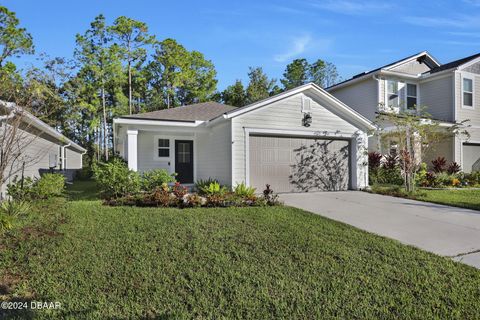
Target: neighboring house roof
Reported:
[(388, 66), (195, 112), (40, 125), (386, 69), (454, 64)]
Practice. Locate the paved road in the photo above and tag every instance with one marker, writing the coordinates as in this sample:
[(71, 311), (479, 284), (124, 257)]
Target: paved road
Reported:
[(444, 230)]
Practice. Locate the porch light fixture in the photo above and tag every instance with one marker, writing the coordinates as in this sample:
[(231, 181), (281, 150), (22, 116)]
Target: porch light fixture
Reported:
[(307, 119)]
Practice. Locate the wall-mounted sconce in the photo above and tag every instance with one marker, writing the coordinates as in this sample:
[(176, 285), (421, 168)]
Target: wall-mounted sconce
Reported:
[(307, 119)]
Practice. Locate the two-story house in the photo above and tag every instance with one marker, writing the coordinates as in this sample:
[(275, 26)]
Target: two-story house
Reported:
[(450, 93)]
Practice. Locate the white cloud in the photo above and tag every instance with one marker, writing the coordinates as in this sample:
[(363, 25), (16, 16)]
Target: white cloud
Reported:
[(456, 22), (297, 47), (352, 7)]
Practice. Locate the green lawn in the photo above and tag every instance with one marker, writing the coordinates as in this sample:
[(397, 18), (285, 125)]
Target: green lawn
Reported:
[(464, 198), (258, 263), (460, 198)]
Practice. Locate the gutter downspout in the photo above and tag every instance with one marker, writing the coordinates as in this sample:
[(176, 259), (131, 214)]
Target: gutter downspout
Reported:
[(63, 155)]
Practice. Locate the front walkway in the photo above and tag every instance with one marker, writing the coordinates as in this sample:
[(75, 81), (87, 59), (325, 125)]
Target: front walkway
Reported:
[(447, 231)]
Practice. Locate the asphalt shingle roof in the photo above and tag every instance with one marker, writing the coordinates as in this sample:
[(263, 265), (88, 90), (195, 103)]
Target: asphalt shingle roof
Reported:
[(195, 112), (374, 70), (454, 64)]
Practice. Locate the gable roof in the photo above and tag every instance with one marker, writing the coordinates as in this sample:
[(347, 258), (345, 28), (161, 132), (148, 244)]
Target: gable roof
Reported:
[(340, 106), (454, 64), (38, 124), (195, 112), (419, 55)]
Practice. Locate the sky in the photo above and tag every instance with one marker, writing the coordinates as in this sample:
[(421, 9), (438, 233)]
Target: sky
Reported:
[(354, 35)]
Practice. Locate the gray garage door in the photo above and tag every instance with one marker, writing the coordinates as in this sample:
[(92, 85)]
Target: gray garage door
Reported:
[(299, 164), (471, 157)]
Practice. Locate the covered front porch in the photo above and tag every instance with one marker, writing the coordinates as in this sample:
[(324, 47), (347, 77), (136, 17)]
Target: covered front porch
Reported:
[(173, 148)]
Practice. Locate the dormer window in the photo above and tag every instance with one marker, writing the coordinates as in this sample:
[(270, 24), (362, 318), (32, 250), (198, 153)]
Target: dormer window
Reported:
[(467, 91)]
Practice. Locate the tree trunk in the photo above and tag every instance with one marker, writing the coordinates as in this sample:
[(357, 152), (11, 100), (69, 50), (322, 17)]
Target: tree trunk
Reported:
[(408, 162), (168, 100), (105, 144), (129, 86)]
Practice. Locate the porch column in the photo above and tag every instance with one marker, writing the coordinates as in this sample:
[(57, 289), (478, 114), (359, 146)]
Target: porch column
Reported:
[(132, 149)]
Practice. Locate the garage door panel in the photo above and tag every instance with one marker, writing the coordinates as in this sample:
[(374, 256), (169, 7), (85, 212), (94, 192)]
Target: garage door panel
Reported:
[(471, 157), (291, 164)]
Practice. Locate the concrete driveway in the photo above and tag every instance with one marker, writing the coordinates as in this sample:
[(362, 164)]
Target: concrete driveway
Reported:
[(447, 231)]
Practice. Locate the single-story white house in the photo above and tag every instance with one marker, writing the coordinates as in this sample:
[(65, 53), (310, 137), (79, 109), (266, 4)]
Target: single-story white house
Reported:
[(37, 148), (301, 140)]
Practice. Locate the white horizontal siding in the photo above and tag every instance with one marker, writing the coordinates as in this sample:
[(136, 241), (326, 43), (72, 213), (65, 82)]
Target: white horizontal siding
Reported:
[(362, 97), (214, 153), (36, 152), (281, 115), (437, 96), (74, 159), (473, 115), (412, 67), (211, 147), (147, 150), (474, 68)]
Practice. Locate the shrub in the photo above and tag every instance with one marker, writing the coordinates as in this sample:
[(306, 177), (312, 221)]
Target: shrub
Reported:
[(179, 192), (193, 200), (439, 164), (374, 160), (115, 180), (155, 178), (20, 190), (216, 199), (163, 197), (241, 190), (473, 178), (49, 185), (213, 188), (387, 173), (456, 182), (14, 208), (9, 211), (84, 174), (421, 176), (453, 168), (430, 179), (270, 197), (395, 191), (390, 176), (6, 222), (391, 162), (200, 184), (443, 179)]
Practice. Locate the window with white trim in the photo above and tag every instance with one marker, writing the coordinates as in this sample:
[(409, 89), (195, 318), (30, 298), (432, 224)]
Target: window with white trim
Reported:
[(411, 96), (392, 94), (467, 92), (393, 148), (163, 148)]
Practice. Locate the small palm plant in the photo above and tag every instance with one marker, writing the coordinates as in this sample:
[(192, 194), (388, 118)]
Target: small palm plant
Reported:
[(213, 188), (9, 211)]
